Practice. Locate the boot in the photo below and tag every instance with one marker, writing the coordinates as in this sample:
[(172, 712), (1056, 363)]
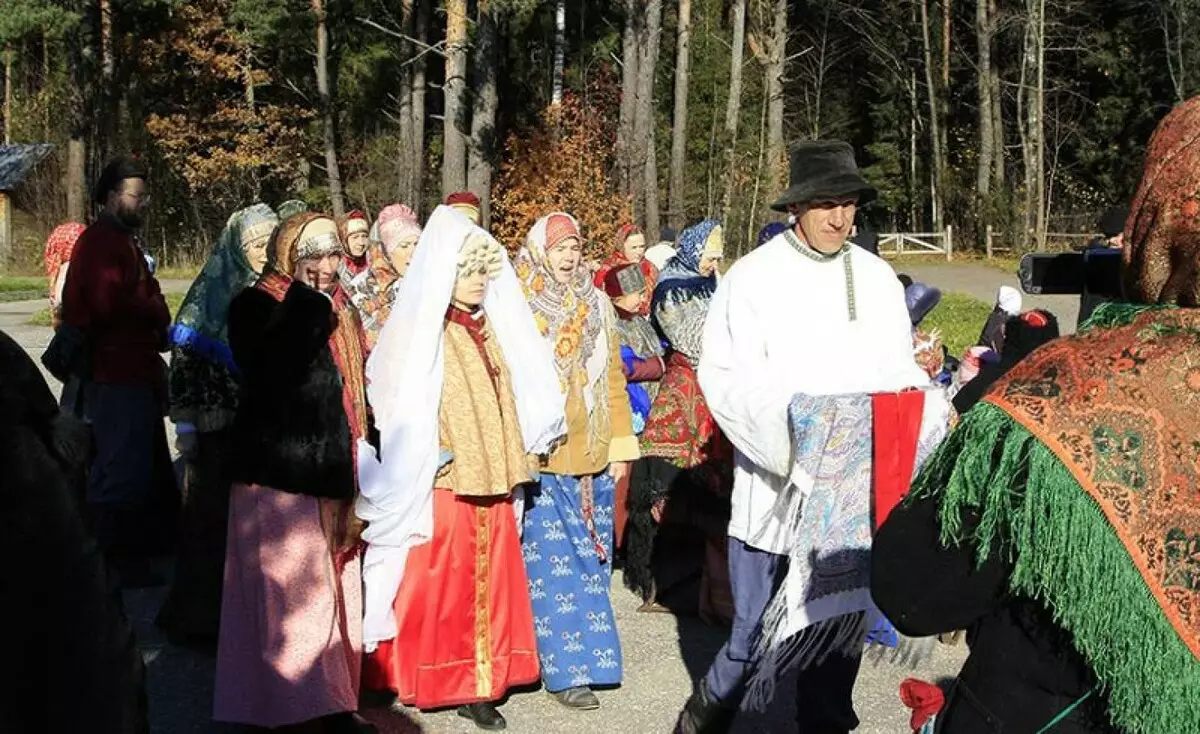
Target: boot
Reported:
[(579, 698), (704, 714), (485, 715)]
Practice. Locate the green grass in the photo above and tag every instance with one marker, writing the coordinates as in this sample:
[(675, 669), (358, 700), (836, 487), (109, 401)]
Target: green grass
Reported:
[(959, 318), (42, 318), (21, 288)]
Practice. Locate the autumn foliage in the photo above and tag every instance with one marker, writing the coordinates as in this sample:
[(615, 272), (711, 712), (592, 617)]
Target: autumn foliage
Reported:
[(562, 164), (221, 135)]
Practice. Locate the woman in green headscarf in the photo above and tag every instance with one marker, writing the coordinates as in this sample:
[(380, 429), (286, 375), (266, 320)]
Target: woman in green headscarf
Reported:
[(203, 394)]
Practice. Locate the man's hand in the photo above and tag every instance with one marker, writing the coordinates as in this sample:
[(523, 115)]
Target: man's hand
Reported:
[(618, 470)]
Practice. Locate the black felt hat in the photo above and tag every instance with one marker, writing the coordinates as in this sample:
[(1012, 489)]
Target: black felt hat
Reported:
[(823, 169)]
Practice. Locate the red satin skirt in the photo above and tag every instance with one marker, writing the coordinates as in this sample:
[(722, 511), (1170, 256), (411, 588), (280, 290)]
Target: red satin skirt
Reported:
[(463, 611)]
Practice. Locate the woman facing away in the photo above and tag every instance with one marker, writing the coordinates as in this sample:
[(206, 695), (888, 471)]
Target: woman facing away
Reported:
[(680, 489), (289, 652), (466, 398), (568, 539), (202, 401), (57, 259)]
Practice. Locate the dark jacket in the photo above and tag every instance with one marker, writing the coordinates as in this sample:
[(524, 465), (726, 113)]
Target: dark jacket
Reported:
[(113, 299), (1022, 670), (70, 660), (291, 432)]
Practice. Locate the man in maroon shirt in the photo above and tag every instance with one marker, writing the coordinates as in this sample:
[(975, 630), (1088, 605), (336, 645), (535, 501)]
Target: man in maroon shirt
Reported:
[(112, 298)]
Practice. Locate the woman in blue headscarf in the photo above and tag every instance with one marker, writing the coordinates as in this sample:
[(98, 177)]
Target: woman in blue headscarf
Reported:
[(679, 492), (203, 392)]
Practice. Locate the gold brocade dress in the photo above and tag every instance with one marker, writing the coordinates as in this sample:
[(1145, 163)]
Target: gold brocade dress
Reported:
[(466, 630)]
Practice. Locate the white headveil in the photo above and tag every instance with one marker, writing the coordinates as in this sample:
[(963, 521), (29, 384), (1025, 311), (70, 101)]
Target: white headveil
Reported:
[(405, 373)]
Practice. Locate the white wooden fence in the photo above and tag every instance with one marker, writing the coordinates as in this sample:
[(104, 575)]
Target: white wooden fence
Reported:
[(1055, 242), (918, 243)]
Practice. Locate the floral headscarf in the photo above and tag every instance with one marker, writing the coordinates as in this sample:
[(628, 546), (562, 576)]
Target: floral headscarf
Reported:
[(201, 323), (1162, 234), (682, 272), (570, 315), (59, 247)]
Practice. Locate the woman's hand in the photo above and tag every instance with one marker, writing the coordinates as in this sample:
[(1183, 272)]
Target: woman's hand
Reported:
[(618, 470)]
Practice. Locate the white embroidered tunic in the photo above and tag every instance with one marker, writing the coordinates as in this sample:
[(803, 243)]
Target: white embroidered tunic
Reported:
[(783, 322)]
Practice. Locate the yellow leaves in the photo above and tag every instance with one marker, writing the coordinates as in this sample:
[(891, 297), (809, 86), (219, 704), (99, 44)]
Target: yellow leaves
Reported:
[(561, 165)]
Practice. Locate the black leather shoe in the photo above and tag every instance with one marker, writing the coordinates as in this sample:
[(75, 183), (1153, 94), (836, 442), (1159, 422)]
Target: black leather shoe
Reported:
[(704, 714), (579, 698), (485, 715)]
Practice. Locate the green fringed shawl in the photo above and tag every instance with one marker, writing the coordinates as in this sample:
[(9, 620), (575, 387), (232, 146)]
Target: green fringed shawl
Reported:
[(1082, 445)]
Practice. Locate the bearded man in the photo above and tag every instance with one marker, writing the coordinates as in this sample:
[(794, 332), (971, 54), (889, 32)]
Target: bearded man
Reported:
[(113, 299)]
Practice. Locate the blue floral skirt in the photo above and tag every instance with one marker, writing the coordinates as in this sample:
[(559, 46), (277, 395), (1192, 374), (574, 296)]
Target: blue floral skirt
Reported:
[(569, 568)]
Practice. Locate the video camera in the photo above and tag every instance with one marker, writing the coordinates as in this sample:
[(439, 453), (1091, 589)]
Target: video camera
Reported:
[(1094, 272)]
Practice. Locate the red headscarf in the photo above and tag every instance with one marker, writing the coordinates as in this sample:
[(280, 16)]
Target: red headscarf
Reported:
[(59, 247), (617, 258)]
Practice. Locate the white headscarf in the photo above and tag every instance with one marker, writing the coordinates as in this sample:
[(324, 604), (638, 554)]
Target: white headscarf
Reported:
[(405, 374)]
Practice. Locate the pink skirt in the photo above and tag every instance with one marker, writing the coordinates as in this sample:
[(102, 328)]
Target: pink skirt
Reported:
[(290, 646)]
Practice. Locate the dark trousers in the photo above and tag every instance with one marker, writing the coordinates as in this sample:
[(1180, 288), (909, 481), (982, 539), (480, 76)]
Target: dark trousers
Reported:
[(824, 691), (132, 498)]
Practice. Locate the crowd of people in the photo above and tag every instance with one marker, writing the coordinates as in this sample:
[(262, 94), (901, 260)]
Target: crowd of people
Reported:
[(413, 459)]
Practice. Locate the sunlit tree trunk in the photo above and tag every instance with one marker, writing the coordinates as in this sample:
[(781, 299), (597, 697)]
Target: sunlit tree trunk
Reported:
[(733, 108), (329, 138), (483, 115), (678, 213), (454, 127)]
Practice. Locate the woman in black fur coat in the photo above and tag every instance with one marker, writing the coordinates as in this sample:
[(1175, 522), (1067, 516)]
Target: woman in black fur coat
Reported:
[(290, 643)]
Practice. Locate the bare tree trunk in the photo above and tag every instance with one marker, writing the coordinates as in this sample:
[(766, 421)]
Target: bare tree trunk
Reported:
[(1033, 137), (733, 107), (417, 152), (653, 223), (1040, 128), (935, 138), (678, 213), (404, 163), (483, 116), (560, 51), (776, 72), (998, 149), (644, 186), (8, 64), (81, 55), (987, 136), (107, 93), (329, 139), (454, 161), (630, 57), (947, 14)]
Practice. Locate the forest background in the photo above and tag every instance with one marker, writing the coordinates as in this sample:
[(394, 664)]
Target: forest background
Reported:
[(1029, 116)]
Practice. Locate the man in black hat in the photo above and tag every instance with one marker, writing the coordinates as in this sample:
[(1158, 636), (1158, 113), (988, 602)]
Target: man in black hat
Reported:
[(113, 299), (803, 313)]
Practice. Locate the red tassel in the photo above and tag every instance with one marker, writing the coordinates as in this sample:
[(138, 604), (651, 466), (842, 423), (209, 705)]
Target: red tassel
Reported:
[(925, 700)]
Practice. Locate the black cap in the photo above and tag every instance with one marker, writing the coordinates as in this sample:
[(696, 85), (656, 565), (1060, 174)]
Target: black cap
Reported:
[(117, 170)]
